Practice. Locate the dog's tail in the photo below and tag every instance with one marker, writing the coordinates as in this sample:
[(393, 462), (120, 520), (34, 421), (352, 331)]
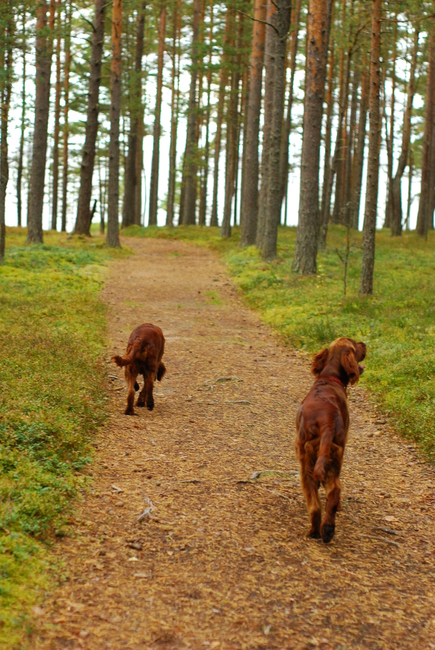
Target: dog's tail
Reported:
[(161, 371), (129, 357)]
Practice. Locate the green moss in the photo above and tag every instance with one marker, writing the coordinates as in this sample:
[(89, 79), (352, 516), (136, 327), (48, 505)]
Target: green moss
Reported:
[(397, 323), (52, 400)]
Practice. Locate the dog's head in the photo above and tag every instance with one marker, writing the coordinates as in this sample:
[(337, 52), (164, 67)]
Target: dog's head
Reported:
[(342, 358)]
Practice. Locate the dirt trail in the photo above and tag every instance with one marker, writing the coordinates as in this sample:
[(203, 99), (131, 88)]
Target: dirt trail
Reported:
[(224, 562)]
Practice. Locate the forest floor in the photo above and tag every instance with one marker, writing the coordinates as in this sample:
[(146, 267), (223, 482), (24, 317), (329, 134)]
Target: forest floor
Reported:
[(223, 560)]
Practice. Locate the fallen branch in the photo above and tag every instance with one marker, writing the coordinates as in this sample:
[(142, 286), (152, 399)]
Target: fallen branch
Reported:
[(380, 539), (117, 489), (390, 531), (147, 512), (272, 472)]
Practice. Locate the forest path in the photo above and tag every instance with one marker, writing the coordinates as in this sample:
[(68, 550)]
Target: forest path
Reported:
[(224, 562)]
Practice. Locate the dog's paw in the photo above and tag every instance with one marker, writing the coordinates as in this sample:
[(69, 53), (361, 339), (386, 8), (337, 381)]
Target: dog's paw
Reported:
[(328, 532), (140, 403), (129, 411), (314, 533), (150, 406)]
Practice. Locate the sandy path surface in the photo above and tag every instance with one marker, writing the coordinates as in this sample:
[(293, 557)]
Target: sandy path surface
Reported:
[(224, 562)]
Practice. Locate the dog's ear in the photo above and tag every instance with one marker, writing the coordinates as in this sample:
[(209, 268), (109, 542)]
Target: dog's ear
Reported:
[(319, 361), (361, 351), (349, 364)]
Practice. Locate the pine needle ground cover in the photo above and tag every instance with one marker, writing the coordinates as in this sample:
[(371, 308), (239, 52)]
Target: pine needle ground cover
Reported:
[(397, 323), (52, 399)]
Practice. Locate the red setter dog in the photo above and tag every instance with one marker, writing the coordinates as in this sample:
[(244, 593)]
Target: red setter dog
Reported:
[(322, 423), (144, 357)]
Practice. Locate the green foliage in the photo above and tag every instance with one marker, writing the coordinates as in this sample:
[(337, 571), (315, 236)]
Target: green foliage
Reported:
[(52, 400), (397, 323)]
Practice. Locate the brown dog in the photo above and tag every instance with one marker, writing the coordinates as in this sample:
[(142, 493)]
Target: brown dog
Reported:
[(322, 424), (144, 357)]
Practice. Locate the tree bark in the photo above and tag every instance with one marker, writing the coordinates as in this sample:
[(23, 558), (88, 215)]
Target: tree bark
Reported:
[(396, 185), (284, 167), (359, 154), (175, 107), (115, 110), (368, 262), (67, 69), (190, 171), (319, 23), (44, 48), (58, 86), (389, 140), (350, 152), (327, 171), (154, 184), (83, 221), (269, 64), (204, 179), (131, 172), (5, 97), (274, 185), (23, 125), (250, 166), (423, 208)]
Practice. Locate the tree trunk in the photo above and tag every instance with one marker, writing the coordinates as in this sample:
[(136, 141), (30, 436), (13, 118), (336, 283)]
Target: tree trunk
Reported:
[(409, 203), (327, 171), (389, 140), (115, 110), (350, 152), (67, 68), (154, 184), (44, 46), (131, 176), (269, 64), (83, 222), (175, 107), (204, 180), (319, 23), (423, 208), (396, 186), (368, 262), (249, 198), (5, 97), (23, 125), (359, 155), (55, 192), (190, 172), (274, 184), (217, 142), (284, 167), (231, 141)]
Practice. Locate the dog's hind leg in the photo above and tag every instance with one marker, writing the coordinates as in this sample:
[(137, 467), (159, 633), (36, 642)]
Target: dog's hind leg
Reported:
[(130, 378), (311, 491), (333, 491)]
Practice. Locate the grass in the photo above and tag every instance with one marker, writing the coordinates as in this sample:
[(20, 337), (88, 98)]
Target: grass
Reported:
[(52, 399), (397, 322)]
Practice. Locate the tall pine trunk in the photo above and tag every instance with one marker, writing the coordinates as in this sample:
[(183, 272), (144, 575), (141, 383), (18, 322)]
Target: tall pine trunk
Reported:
[(5, 98), (190, 162), (389, 139), (55, 193), (23, 125), (204, 179), (274, 186), (83, 222), (360, 147), (327, 170), (269, 64), (396, 184), (115, 111), (131, 172), (44, 46), (284, 167), (67, 69), (175, 106), (154, 184), (319, 23), (424, 215), (368, 262), (250, 166), (350, 150)]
